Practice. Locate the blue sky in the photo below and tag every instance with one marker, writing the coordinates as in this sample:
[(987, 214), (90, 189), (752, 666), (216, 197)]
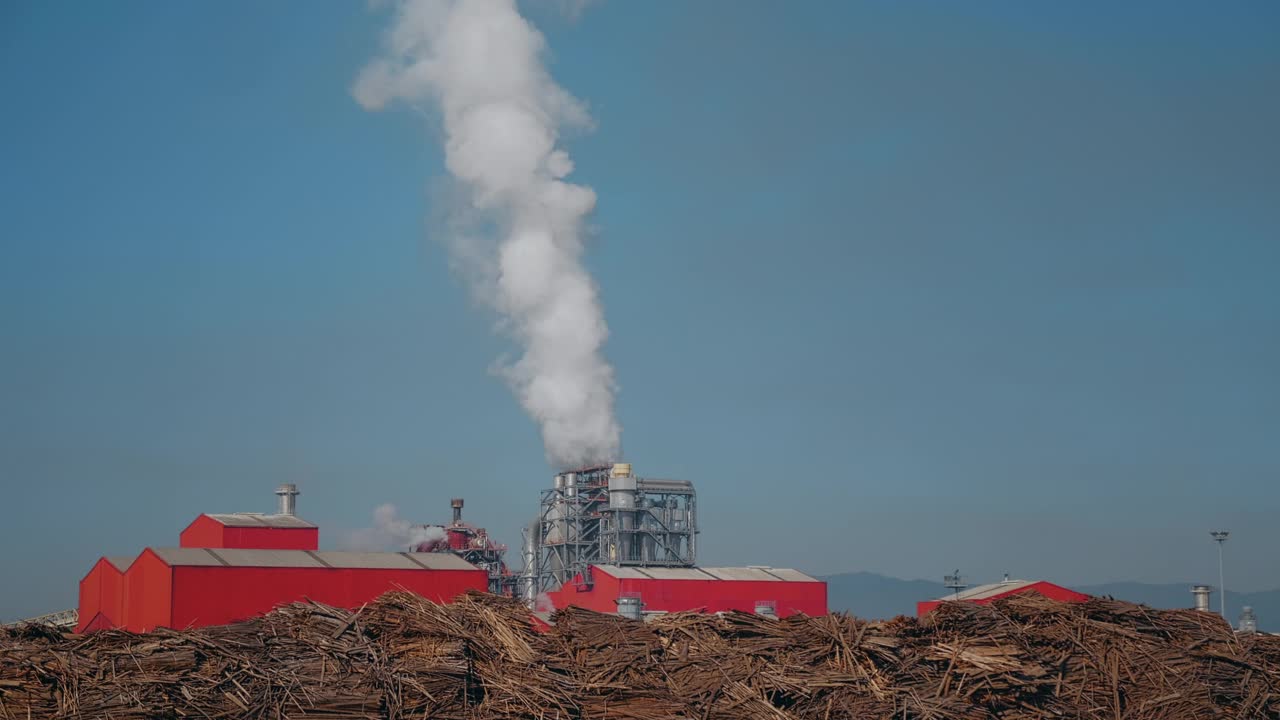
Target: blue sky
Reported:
[(904, 287)]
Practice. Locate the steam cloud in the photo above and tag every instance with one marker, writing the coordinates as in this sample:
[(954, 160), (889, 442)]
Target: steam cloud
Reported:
[(390, 531), (480, 63)]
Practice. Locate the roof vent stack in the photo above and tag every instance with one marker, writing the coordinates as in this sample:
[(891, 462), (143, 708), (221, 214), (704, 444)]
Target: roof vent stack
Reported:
[(1201, 594), (288, 499)]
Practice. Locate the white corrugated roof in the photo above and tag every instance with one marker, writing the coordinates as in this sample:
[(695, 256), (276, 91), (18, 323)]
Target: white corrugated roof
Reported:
[(260, 520), (791, 575), (982, 592), (623, 573), (665, 573), (752, 574), (233, 557)]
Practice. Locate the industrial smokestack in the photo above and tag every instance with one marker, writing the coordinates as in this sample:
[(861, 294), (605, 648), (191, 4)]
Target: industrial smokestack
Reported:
[(456, 504), (518, 227), (1202, 595), (287, 495), (529, 579), (622, 501)]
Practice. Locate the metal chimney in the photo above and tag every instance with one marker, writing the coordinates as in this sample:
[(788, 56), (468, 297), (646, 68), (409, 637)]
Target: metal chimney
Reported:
[(288, 503), (456, 504), (1202, 595), (529, 580)]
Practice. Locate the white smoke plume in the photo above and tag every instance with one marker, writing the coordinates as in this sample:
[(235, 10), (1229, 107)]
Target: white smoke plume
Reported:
[(480, 63), (390, 531)]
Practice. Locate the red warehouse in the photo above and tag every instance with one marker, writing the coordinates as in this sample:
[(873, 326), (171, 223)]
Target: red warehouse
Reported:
[(191, 587), (100, 594), (250, 530), (772, 591), (983, 594), (233, 567)]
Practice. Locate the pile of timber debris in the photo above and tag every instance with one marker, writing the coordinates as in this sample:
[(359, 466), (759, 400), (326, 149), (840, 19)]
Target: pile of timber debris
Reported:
[(405, 657)]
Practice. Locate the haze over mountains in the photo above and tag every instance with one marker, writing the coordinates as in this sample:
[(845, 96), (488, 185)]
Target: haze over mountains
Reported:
[(871, 595)]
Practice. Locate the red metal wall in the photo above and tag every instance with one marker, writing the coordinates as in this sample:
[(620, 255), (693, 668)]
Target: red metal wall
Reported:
[(271, 538), (147, 591), (1047, 589), (709, 595), (90, 595), (100, 596), (215, 595), (205, 532)]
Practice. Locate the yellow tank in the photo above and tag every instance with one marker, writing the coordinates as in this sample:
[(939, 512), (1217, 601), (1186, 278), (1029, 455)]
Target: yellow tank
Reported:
[(621, 470)]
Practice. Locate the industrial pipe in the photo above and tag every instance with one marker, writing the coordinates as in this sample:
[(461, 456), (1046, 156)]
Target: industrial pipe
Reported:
[(530, 551)]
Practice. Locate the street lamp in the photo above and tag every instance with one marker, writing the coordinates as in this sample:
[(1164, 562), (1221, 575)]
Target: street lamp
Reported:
[(1220, 536)]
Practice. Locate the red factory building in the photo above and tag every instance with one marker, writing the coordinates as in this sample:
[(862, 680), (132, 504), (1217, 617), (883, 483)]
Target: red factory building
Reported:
[(101, 595), (235, 566), (773, 591), (984, 594), (250, 530)]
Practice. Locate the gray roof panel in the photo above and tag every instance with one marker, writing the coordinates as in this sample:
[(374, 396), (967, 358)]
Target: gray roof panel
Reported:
[(742, 573), (441, 561), (751, 574), (384, 560), (266, 558), (622, 573), (683, 573), (982, 592), (394, 561), (231, 557), (260, 520), (791, 575), (189, 557)]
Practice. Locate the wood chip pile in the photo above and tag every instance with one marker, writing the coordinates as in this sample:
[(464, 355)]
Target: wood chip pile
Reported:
[(479, 658)]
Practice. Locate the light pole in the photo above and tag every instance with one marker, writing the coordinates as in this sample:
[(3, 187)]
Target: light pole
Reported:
[(1220, 536)]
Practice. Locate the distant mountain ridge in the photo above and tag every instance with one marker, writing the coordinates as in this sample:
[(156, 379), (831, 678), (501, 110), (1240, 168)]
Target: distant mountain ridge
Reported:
[(871, 595)]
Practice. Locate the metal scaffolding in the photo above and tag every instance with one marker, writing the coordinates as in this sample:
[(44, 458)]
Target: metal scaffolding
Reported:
[(605, 514), (472, 544)]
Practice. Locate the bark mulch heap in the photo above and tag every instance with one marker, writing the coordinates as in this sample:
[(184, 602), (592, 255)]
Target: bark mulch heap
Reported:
[(405, 657)]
